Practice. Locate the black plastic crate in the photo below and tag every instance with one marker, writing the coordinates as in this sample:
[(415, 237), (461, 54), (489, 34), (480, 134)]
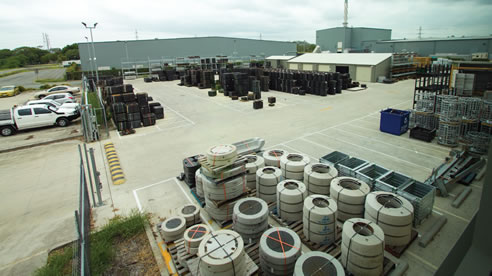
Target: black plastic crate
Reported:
[(422, 134)]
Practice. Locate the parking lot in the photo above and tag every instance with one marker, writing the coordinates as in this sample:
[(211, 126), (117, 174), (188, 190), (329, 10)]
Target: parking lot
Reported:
[(28, 79), (152, 158)]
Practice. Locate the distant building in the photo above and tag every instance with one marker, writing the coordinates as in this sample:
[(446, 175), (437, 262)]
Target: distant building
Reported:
[(67, 63), (363, 67), (345, 39), (279, 61), (432, 46), (143, 53)]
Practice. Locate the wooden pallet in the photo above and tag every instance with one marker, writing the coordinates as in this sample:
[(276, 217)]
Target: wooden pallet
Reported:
[(179, 256), (397, 251)]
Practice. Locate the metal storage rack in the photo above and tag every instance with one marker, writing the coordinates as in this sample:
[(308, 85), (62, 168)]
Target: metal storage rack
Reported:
[(402, 66), (334, 158), (422, 198), (370, 173), (348, 166), (392, 182)]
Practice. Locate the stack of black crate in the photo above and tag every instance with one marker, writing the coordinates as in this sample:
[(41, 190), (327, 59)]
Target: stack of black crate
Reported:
[(148, 118)]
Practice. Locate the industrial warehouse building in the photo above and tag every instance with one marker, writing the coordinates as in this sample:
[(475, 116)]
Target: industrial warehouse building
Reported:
[(361, 66), (367, 40), (279, 61), (428, 47), (349, 38), (115, 54)]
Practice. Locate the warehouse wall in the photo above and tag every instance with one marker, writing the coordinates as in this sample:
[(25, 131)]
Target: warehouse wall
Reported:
[(363, 34), (352, 38), (431, 47), (327, 39), (112, 53), (382, 69)]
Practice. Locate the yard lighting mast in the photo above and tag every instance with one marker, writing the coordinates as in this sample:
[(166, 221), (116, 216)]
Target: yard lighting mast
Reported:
[(93, 49)]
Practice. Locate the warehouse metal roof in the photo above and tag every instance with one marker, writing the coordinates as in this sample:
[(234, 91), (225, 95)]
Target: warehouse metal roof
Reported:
[(280, 57), (342, 58)]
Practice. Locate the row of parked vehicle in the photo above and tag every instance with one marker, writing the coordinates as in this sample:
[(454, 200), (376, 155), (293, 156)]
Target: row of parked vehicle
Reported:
[(52, 109)]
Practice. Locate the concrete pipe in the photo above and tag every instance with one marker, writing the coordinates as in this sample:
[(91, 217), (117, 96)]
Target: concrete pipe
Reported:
[(363, 247), (290, 199), (173, 228), (350, 194), (272, 157), (193, 236), (223, 213), (250, 211), (318, 263), (199, 183), (222, 253), (393, 213), (225, 190), (255, 163), (320, 209), (221, 155), (280, 246), (267, 179), (318, 176), (191, 213), (292, 165)]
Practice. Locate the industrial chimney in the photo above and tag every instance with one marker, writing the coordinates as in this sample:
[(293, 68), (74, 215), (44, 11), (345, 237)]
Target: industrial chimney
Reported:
[(345, 14)]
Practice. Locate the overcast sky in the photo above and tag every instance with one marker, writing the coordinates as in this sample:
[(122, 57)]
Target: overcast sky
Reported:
[(23, 21)]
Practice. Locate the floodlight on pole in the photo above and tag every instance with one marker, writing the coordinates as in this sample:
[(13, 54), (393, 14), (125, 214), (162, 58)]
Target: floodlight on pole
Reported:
[(90, 59), (93, 48)]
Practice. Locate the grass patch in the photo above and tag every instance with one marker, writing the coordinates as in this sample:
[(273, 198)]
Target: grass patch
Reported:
[(102, 246), (14, 72), (94, 101), (49, 80), (59, 263)]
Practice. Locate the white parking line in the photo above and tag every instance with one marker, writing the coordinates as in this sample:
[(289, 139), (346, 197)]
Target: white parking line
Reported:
[(315, 158), (377, 140)]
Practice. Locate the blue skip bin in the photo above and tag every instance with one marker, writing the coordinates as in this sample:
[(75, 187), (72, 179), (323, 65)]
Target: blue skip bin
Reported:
[(394, 121)]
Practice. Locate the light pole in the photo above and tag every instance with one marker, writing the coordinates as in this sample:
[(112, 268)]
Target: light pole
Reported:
[(90, 59), (93, 49)]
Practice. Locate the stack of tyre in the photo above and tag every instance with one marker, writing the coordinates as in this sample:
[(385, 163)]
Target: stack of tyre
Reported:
[(292, 165), (254, 164), (279, 250), (393, 213), (319, 219), (362, 247), (350, 195), (267, 179), (290, 199), (250, 218), (318, 177)]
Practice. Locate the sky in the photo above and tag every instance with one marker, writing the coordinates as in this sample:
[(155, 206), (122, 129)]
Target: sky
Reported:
[(24, 21)]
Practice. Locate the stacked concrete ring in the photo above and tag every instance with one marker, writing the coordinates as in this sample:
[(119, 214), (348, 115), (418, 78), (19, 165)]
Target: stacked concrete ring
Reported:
[(350, 194)]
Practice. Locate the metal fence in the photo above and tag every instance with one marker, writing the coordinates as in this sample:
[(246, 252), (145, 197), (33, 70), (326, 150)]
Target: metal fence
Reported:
[(89, 184), (93, 112)]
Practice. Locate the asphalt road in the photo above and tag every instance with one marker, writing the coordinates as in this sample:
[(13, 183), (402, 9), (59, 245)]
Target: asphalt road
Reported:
[(28, 79)]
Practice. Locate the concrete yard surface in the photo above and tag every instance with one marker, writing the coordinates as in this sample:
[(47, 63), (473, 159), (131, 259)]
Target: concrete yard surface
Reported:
[(39, 205)]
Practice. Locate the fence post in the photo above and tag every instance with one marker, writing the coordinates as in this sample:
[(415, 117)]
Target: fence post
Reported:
[(89, 172), (97, 180)]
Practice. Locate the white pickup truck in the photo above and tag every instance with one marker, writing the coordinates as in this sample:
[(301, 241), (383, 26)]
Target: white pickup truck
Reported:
[(34, 116)]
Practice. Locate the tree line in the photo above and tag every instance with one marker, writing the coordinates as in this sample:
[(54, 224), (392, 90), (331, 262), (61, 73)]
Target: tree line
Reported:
[(23, 56)]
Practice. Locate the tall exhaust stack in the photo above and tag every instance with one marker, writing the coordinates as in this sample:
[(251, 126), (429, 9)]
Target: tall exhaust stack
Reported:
[(345, 14)]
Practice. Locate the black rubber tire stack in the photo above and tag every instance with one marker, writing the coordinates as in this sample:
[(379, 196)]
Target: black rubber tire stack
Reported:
[(258, 104), (147, 79), (272, 100), (190, 166), (212, 93), (158, 111)]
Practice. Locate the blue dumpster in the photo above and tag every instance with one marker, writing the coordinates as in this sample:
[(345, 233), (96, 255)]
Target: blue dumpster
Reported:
[(394, 121)]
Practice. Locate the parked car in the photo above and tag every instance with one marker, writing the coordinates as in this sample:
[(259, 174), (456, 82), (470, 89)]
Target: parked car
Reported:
[(9, 91), (65, 106), (57, 89), (33, 116), (61, 98)]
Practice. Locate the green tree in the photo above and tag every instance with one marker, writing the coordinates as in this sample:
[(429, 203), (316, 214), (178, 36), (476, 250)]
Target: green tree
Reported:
[(72, 54)]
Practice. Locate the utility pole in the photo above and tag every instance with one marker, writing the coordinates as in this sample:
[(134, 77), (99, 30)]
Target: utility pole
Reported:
[(420, 32), (93, 49), (136, 34)]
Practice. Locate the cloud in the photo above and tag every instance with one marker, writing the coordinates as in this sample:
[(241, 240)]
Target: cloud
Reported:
[(23, 21)]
